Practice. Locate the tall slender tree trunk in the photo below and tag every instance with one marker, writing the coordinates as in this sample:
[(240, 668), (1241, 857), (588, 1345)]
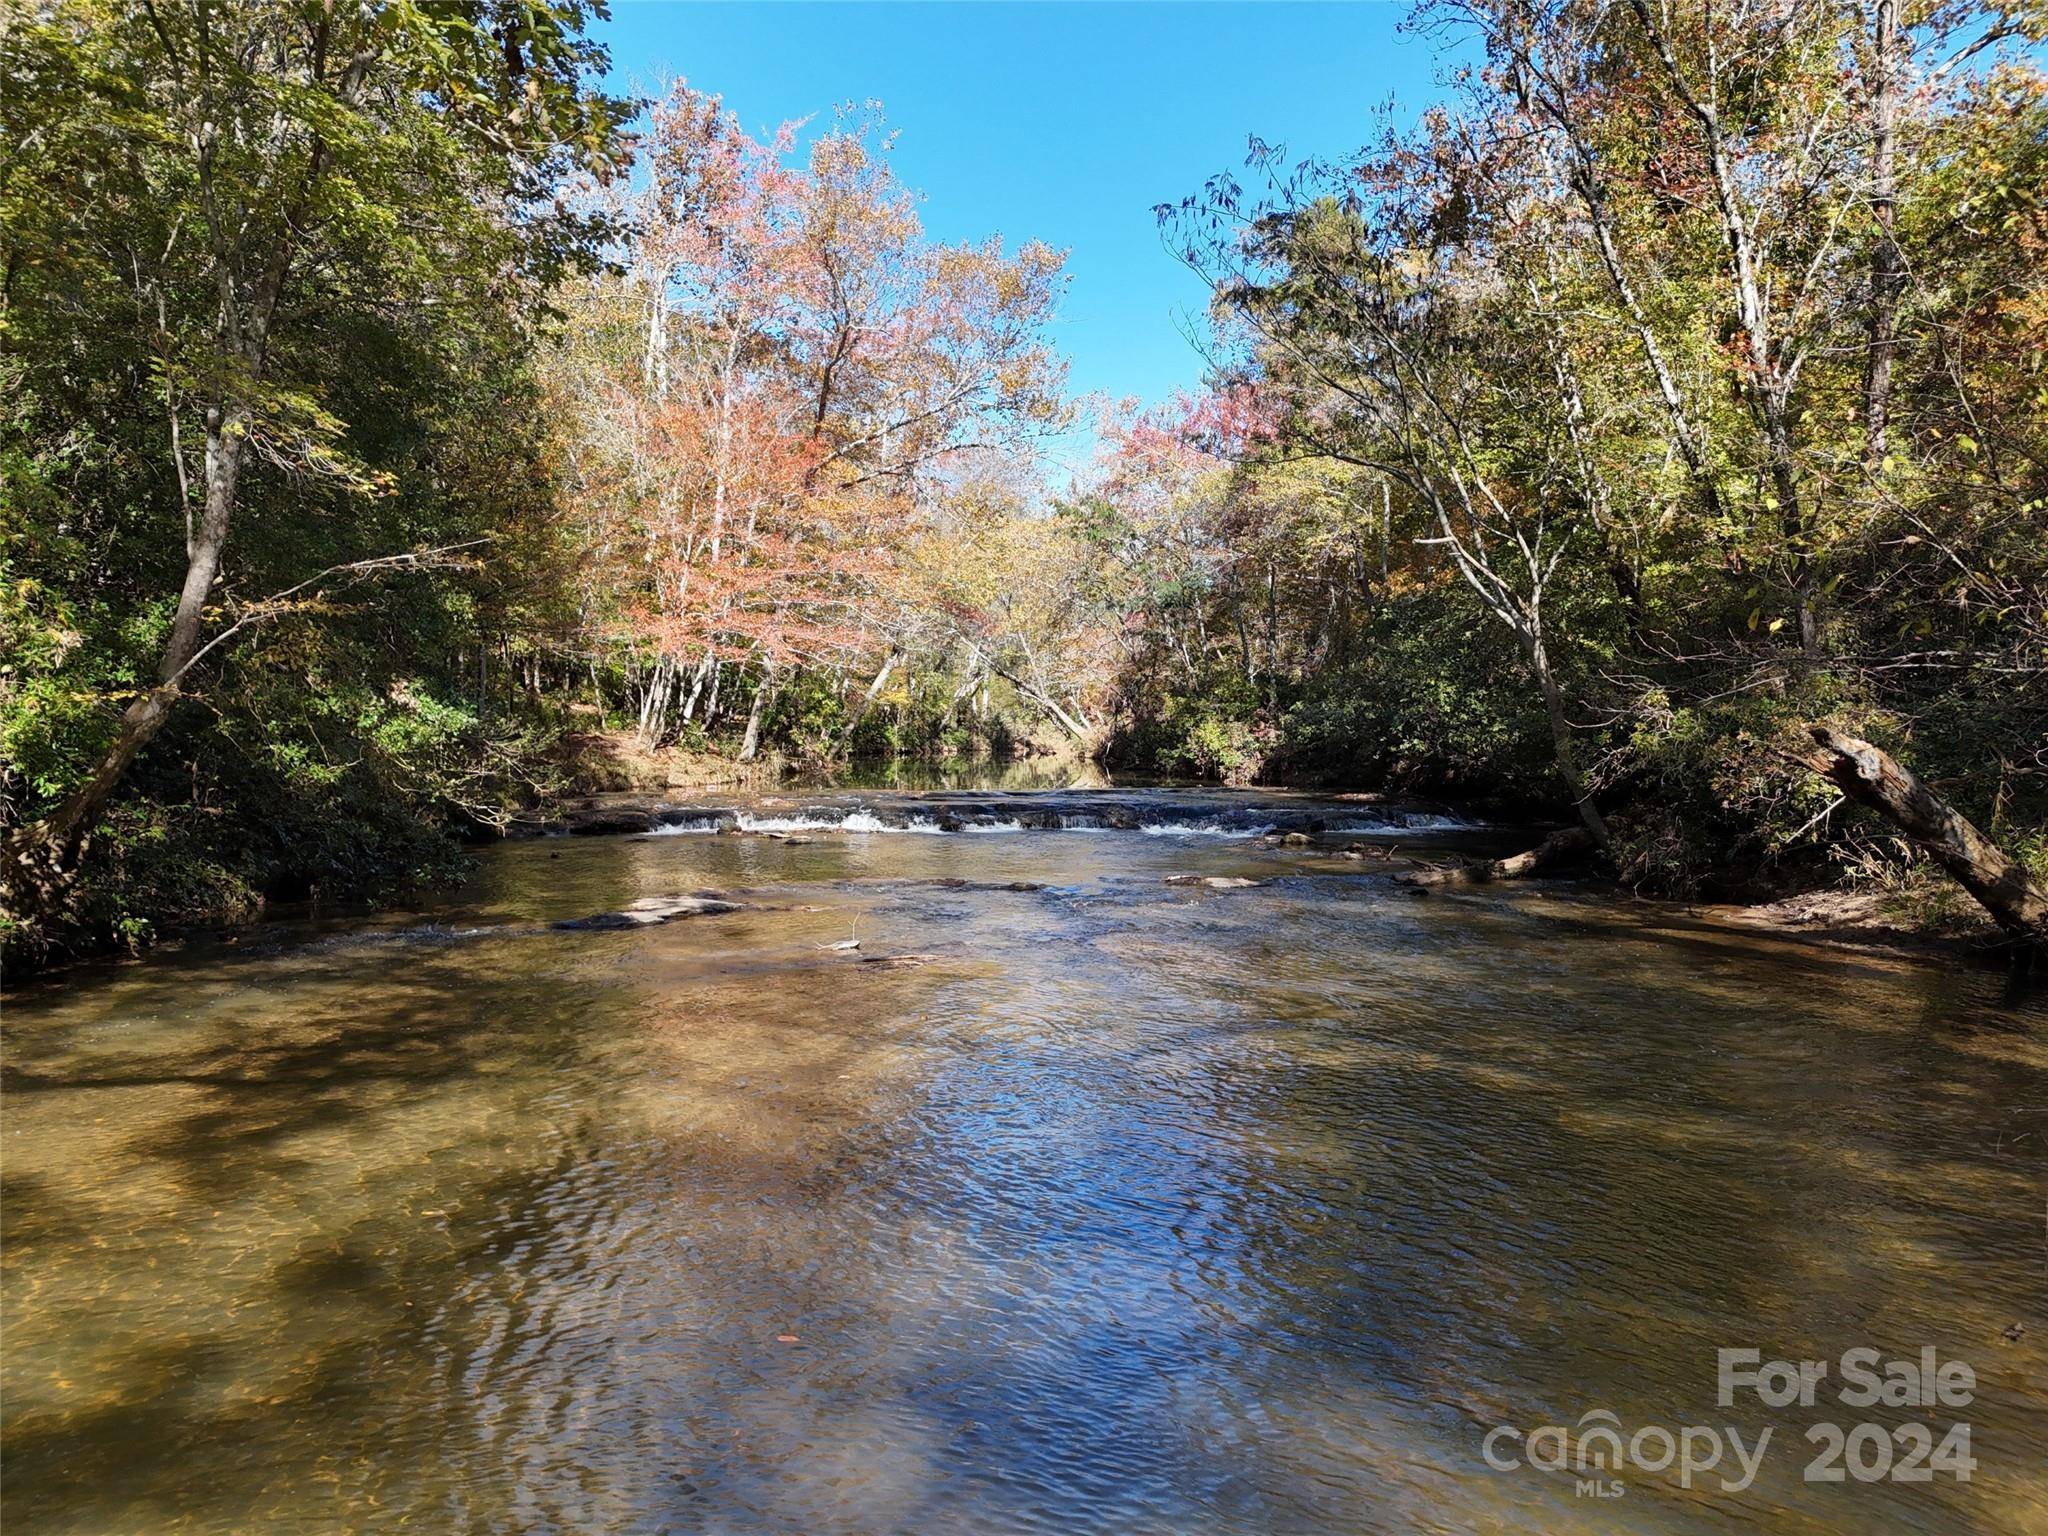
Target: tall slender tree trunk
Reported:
[(1386, 531), (1562, 746), (697, 685), (750, 745), (975, 679), (874, 689), (1768, 380), (1272, 635), (1887, 262)]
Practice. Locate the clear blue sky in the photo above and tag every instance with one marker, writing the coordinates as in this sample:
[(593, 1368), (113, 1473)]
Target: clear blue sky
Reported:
[(1063, 122)]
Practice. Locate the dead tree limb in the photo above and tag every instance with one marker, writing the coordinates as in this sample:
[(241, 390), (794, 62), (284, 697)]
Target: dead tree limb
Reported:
[(39, 861), (1559, 848), (1872, 777)]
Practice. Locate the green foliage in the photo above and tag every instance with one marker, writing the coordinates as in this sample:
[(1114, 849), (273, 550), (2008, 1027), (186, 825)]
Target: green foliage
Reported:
[(336, 226), (1429, 704), (1477, 507), (1573, 447)]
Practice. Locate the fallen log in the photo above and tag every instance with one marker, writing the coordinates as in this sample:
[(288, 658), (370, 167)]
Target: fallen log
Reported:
[(1873, 778), (1562, 847)]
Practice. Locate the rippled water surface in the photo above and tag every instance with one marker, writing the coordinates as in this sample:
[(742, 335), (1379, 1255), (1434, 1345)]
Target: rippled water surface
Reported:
[(1131, 1207)]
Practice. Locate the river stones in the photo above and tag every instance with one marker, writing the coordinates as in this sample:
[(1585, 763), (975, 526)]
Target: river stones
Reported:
[(610, 821), (1214, 882), (1366, 851), (649, 910)]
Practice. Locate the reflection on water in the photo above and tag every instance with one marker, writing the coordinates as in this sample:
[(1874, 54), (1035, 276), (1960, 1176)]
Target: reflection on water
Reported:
[(1136, 1209)]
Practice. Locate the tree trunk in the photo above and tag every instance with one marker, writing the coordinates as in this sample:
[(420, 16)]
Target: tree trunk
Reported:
[(867, 700), (1272, 636), (1887, 262), (711, 705), (697, 685), (750, 745), (1767, 380), (1561, 737), (40, 860), (974, 681), (1559, 848), (1873, 778), (1080, 730)]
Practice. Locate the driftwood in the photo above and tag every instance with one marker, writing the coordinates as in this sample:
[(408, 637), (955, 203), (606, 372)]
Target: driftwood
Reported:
[(1560, 847), (1873, 778)]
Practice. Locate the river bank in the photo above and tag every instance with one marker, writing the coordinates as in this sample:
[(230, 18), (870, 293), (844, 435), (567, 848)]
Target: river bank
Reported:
[(1301, 833), (1918, 915)]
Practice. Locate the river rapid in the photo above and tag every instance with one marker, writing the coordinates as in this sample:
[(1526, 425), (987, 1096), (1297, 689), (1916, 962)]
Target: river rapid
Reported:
[(970, 1176)]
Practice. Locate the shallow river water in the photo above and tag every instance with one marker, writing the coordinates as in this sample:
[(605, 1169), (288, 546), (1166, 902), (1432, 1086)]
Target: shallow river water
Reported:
[(1132, 1208)]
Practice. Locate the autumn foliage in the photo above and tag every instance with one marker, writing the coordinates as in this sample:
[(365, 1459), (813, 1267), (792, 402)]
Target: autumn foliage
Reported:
[(765, 410)]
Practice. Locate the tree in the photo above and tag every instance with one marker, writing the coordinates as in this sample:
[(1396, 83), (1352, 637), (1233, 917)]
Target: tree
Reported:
[(1686, 346), (811, 376), (235, 174)]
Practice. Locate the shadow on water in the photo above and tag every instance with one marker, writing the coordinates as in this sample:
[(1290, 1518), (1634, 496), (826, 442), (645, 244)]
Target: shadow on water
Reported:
[(1132, 1209)]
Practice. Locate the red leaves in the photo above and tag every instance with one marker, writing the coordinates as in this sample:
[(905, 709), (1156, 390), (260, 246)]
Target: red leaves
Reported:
[(806, 368)]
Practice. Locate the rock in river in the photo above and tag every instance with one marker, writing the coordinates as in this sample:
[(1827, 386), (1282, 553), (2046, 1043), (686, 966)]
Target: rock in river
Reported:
[(649, 910), (1214, 882)]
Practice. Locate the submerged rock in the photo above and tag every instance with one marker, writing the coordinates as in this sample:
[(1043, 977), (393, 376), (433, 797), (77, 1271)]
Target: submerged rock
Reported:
[(897, 962), (649, 910), (1214, 882)]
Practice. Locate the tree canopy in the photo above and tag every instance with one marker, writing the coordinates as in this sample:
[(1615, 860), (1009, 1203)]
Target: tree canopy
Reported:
[(398, 429)]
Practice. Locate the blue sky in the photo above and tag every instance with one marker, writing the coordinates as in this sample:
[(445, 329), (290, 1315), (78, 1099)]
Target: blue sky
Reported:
[(1065, 122)]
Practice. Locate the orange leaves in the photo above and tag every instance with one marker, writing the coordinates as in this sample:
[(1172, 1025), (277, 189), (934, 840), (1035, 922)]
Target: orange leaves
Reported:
[(774, 400)]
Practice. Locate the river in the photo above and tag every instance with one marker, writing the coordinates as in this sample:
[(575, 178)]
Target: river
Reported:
[(1069, 1201)]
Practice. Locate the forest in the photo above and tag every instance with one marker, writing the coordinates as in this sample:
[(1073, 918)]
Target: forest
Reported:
[(401, 433)]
